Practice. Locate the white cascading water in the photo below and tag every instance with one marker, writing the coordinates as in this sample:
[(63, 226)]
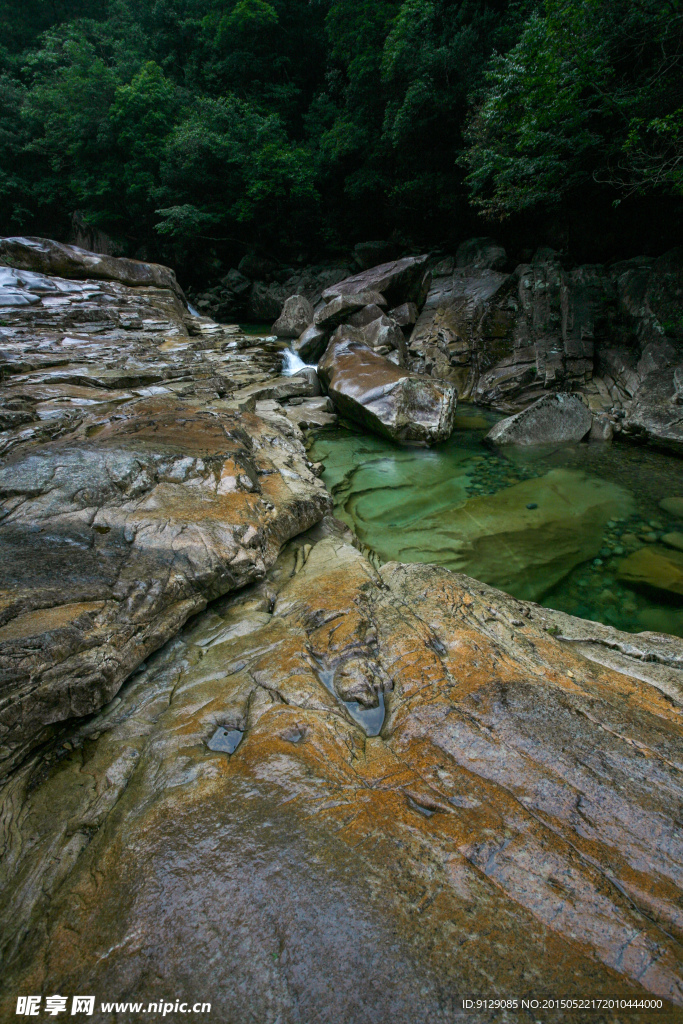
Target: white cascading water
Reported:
[(293, 363)]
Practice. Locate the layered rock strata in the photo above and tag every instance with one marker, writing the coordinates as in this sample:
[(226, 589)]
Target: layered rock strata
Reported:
[(338, 769), (138, 482), (361, 791)]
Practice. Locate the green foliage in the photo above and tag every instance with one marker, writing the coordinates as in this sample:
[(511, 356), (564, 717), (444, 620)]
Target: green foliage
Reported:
[(589, 96), (193, 129)]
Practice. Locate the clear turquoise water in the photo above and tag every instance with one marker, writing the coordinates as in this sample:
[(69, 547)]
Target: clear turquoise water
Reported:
[(551, 523)]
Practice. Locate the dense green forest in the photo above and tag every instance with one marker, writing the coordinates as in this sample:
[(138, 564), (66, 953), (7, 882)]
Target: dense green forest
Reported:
[(195, 130)]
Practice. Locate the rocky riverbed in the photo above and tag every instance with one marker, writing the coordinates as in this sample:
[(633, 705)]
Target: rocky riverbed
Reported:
[(244, 763)]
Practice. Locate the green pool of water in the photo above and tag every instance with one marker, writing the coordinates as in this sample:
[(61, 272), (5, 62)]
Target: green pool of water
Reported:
[(261, 330), (552, 524)]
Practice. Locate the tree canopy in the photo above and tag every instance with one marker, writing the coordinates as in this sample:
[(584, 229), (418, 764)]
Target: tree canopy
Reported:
[(191, 130)]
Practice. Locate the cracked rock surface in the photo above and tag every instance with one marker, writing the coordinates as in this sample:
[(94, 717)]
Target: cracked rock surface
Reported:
[(342, 791), (514, 823), (137, 482)]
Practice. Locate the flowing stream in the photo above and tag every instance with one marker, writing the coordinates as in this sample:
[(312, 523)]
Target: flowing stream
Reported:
[(563, 524)]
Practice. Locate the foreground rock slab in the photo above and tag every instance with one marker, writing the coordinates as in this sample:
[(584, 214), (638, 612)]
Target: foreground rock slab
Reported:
[(382, 396), (111, 538), (552, 419), (514, 826)]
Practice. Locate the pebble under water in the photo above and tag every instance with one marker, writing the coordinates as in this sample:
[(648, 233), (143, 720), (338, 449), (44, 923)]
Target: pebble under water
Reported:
[(555, 524)]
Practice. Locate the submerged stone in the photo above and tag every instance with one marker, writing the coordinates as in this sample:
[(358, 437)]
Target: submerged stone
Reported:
[(656, 567)]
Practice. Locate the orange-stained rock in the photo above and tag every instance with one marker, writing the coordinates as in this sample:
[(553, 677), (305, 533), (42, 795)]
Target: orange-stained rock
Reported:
[(130, 525), (514, 829)]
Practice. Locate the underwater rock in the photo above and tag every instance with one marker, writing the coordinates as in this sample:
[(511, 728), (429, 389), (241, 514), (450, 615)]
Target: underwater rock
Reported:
[(448, 846), (656, 567), (524, 538), (673, 505), (552, 419), (383, 397)]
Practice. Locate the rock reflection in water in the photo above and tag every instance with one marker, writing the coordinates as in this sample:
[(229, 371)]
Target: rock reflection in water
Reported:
[(370, 720), (552, 524)]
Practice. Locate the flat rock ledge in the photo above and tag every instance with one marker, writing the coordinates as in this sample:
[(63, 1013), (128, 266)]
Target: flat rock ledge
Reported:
[(340, 768)]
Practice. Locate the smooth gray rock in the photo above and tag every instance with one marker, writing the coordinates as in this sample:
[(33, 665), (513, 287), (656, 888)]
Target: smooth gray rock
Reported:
[(311, 344), (405, 280), (553, 418), (296, 315)]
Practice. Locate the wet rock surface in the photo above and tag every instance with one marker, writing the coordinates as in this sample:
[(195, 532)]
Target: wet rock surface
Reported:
[(344, 790), (513, 823), (383, 397), (553, 418), (612, 333), (137, 482)]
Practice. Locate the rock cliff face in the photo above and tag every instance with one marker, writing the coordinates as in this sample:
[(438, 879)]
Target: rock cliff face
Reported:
[(614, 334), (137, 485), (364, 793)]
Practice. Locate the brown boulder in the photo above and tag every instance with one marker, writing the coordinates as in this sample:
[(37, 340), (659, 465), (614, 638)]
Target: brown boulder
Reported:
[(400, 281), (386, 399)]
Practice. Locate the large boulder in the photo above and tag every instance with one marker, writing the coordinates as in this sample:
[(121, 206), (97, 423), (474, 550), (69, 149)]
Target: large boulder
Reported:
[(68, 261), (339, 309), (405, 280), (376, 393), (296, 315), (553, 418)]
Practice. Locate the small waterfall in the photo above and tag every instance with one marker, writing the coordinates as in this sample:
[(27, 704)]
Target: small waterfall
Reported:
[(293, 364), (192, 310)]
